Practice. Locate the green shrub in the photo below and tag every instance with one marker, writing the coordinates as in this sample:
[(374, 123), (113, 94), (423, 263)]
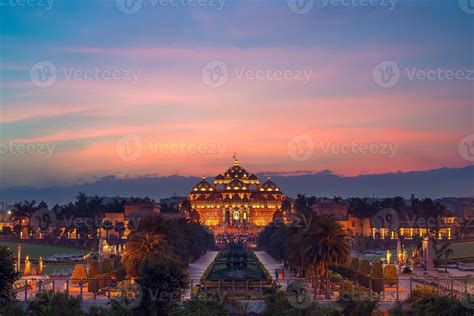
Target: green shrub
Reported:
[(364, 266), (55, 303), (363, 273), (102, 281), (94, 269), (353, 274), (357, 305), (426, 300), (119, 274), (107, 265), (390, 275), (354, 263), (377, 277), (200, 307), (422, 293), (93, 285), (12, 309), (335, 278), (364, 280), (117, 261), (79, 274), (346, 288)]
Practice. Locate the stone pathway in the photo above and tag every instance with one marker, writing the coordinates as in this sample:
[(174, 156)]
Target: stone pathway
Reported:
[(197, 268), (271, 265)]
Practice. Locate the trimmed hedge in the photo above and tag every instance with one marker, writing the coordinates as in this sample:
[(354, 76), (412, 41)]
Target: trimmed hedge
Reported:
[(107, 266), (377, 277), (94, 269), (390, 275)]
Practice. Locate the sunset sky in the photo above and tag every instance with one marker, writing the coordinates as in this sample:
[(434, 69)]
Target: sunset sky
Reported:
[(161, 114)]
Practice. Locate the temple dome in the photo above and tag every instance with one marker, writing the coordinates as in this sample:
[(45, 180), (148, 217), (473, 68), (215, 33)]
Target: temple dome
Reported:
[(269, 186), (203, 186), (236, 172)]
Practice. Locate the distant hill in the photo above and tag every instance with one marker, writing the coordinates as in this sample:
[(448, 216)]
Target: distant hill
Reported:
[(453, 182)]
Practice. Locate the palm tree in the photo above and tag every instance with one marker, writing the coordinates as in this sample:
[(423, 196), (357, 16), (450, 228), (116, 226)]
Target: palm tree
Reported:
[(444, 251), (141, 246), (119, 227), (20, 212), (448, 252), (328, 244), (107, 225), (313, 256), (151, 223)]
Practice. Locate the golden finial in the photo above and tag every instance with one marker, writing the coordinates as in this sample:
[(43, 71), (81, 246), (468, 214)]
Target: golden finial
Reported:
[(236, 161)]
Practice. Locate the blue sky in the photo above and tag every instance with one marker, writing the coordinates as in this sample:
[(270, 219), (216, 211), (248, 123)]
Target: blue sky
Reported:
[(168, 46)]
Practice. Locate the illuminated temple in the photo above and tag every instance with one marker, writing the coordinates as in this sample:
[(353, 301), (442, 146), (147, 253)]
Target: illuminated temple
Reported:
[(236, 199)]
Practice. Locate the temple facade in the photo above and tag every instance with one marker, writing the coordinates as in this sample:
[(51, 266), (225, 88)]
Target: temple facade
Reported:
[(236, 199)]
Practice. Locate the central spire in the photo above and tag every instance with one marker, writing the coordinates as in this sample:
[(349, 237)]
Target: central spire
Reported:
[(236, 161)]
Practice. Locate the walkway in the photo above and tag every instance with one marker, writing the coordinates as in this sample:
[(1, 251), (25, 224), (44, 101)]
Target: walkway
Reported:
[(272, 264), (197, 268)]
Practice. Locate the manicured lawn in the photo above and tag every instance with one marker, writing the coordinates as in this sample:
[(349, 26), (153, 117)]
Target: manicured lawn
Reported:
[(35, 251), (462, 250)]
